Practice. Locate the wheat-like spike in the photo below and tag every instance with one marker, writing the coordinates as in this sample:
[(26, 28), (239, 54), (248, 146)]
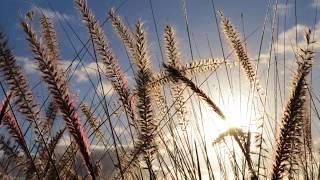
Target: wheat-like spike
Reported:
[(146, 122), (17, 82), (11, 152), (4, 108), (307, 129), (171, 45), (93, 121), (189, 69), (175, 73), (66, 162), (123, 32), (160, 103), (160, 79), (49, 36), (113, 70), (59, 90), (234, 39), (44, 159), (289, 140), (11, 122), (243, 140), (173, 59), (51, 114), (230, 132), (14, 130), (202, 65)]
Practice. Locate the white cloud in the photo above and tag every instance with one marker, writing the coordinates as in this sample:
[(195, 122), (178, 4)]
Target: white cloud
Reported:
[(84, 72), (81, 74), (27, 64), (283, 8), (289, 37), (105, 89)]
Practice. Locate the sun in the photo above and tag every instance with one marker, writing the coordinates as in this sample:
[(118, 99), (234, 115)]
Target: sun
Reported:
[(239, 113)]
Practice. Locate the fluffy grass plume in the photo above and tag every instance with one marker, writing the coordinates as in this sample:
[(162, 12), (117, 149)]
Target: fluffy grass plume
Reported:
[(173, 58), (112, 67), (235, 42), (59, 90), (123, 32), (49, 36), (289, 143), (14, 130), (176, 74)]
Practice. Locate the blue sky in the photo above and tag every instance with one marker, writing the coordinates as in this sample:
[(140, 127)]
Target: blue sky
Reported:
[(166, 11)]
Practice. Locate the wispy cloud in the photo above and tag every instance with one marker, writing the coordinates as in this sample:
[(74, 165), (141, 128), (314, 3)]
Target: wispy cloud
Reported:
[(27, 64), (315, 3), (55, 15), (283, 8), (89, 70), (81, 74), (106, 88)]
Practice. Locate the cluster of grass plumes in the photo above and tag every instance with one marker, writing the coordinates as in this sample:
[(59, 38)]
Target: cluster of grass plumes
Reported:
[(58, 88), (141, 136), (112, 68), (14, 129)]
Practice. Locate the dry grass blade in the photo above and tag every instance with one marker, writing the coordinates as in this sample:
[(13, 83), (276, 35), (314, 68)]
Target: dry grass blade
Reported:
[(290, 134), (58, 89), (49, 36), (176, 74)]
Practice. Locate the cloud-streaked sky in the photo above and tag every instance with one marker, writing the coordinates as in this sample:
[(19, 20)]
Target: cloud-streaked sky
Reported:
[(166, 11), (72, 32)]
